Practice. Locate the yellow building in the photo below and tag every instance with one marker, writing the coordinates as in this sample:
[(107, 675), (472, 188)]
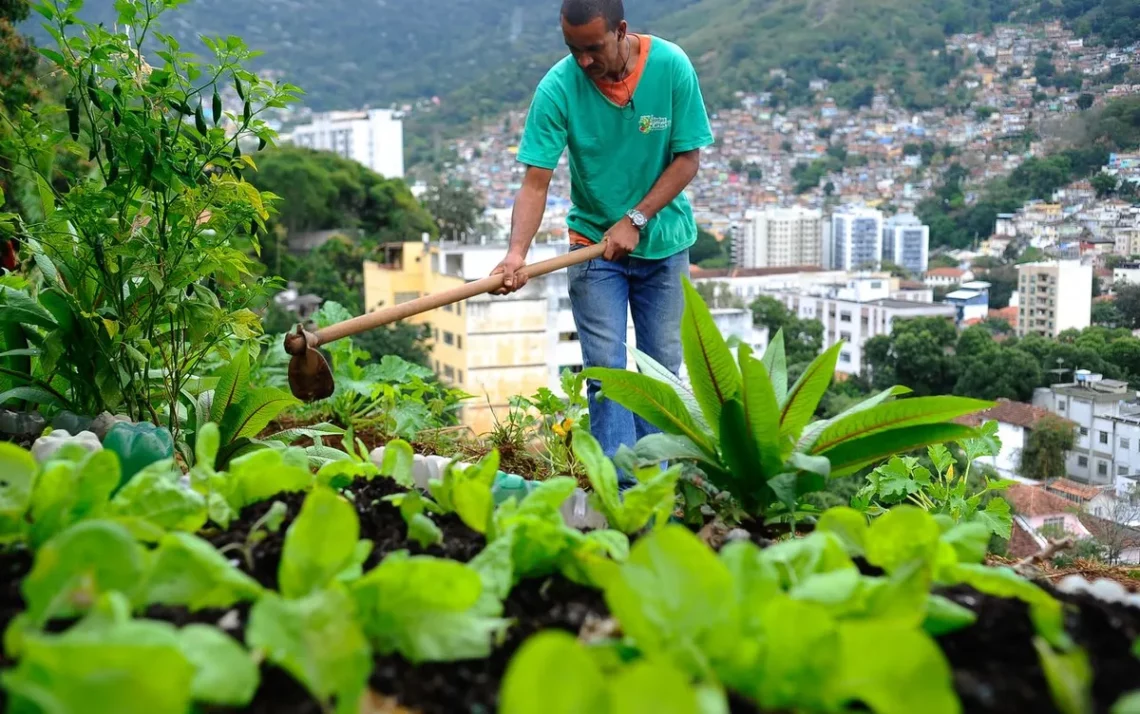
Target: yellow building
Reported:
[(493, 347)]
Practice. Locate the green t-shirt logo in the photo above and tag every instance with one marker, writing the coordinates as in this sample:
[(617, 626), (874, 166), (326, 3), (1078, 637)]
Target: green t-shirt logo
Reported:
[(618, 152)]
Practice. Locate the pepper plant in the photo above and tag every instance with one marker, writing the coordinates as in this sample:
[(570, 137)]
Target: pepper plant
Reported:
[(143, 262), (753, 435)]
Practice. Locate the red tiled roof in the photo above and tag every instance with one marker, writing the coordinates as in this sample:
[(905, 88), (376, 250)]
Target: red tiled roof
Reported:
[(1105, 530), (1022, 542), (1007, 412), (1034, 501), (945, 272), (1009, 314), (1072, 488), (911, 285)]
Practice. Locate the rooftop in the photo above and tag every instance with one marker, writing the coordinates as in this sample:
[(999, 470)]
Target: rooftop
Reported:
[(1008, 412), (700, 273), (1034, 501), (963, 295), (1080, 491), (911, 306), (945, 272)]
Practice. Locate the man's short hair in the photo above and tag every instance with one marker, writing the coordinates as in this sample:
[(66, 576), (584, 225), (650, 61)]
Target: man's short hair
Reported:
[(582, 12)]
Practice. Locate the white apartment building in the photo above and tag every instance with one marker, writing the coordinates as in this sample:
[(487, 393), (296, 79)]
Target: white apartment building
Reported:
[(780, 237), (374, 138), (906, 242), (1107, 415), (854, 311), (856, 239), (1054, 297)]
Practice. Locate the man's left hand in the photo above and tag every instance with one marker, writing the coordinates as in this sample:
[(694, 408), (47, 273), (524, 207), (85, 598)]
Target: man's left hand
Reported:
[(621, 240)]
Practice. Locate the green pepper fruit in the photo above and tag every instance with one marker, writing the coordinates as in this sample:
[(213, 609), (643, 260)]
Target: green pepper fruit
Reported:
[(138, 446)]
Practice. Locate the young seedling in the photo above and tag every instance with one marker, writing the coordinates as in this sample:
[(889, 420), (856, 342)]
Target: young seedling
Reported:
[(269, 523)]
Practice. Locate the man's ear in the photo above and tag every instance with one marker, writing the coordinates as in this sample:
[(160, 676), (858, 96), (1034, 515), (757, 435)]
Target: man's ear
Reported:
[(622, 29)]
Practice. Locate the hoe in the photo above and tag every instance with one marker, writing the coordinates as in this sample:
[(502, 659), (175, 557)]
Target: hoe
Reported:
[(310, 377)]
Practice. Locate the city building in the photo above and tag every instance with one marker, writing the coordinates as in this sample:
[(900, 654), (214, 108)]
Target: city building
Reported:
[(1054, 297), (779, 237), (969, 304), (947, 277), (1015, 421), (906, 242), (854, 311), (374, 138), (1126, 273), (856, 239), (1107, 416)]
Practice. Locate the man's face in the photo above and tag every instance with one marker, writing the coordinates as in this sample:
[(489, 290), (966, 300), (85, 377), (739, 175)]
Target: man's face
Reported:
[(596, 49)]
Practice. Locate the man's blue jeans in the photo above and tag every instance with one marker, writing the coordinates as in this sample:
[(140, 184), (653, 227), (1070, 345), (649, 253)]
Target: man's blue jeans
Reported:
[(601, 292)]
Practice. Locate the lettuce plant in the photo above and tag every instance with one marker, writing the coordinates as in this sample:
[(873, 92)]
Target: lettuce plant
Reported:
[(652, 499), (752, 434)]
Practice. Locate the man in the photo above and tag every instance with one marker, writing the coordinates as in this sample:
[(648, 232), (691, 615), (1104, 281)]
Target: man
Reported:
[(629, 110)]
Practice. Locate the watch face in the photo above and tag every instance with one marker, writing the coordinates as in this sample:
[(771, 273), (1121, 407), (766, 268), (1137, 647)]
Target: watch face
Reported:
[(637, 218)]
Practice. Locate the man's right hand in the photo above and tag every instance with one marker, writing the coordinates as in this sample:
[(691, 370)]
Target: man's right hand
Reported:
[(514, 275)]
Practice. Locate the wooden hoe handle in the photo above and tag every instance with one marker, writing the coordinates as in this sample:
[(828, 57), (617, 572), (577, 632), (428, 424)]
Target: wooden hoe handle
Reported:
[(394, 313)]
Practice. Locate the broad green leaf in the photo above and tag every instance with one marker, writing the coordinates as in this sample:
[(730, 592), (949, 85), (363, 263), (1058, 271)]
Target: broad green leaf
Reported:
[(668, 447), (156, 494), (903, 535), (129, 668), (601, 473), (651, 687), (969, 540), (36, 395), (233, 385), (553, 673), (848, 525), (206, 444), (798, 653), (191, 573), (653, 401), (319, 543), (471, 494), (427, 609), (424, 531), (986, 443), (941, 457), (996, 517), (945, 616), (891, 669), (317, 431), (761, 410), (651, 500), (776, 364), (494, 566), (894, 415), (264, 474), (853, 455), (224, 672), (1128, 704), (317, 640), (593, 560), (1069, 676), (670, 598), (72, 569), (808, 390), (652, 368), (712, 371), (796, 560), (19, 478), (740, 455), (17, 306), (813, 430), (254, 412), (399, 460), (341, 474)]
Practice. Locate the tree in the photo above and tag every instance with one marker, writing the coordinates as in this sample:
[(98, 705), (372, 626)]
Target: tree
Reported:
[(1085, 101), (1105, 314), (706, 248), (1111, 529), (1043, 456), (1104, 184), (1128, 305), (455, 206), (862, 98), (803, 339), (1001, 373), (718, 295)]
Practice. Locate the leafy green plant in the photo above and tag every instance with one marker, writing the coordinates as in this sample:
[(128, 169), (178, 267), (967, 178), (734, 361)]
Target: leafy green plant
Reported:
[(904, 479), (142, 263), (751, 434), (557, 419), (652, 499), (271, 522), (466, 491)]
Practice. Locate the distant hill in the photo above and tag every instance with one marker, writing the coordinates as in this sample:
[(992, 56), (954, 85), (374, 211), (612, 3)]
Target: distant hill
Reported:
[(482, 55)]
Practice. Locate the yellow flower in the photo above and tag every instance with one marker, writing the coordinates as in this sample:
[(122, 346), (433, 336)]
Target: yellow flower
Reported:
[(563, 429)]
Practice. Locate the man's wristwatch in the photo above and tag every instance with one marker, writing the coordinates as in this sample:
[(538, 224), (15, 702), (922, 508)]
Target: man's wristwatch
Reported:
[(637, 218)]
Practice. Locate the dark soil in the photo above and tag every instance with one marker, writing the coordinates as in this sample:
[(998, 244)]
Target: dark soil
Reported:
[(996, 667)]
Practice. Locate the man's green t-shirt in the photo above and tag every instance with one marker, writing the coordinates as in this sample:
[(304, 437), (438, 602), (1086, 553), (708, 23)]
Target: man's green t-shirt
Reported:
[(617, 153)]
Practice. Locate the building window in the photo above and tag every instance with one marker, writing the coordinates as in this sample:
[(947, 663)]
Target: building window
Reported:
[(402, 298), (844, 358), (435, 334), (449, 373), (449, 308), (1125, 443), (1104, 437), (845, 336), (1084, 431), (567, 336), (1098, 512), (1122, 470), (459, 341), (437, 366), (460, 380), (458, 308), (845, 317), (1061, 405), (448, 338), (564, 303), (1101, 468), (1082, 461)]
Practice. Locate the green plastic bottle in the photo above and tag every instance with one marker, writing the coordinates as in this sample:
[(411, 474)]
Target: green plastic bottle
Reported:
[(138, 446), (506, 485)]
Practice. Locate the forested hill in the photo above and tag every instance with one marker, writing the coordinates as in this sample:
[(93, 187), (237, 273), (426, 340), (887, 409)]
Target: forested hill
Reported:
[(479, 55)]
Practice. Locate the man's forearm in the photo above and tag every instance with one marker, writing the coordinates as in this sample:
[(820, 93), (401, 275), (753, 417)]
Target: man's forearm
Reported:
[(679, 174), (526, 218)]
